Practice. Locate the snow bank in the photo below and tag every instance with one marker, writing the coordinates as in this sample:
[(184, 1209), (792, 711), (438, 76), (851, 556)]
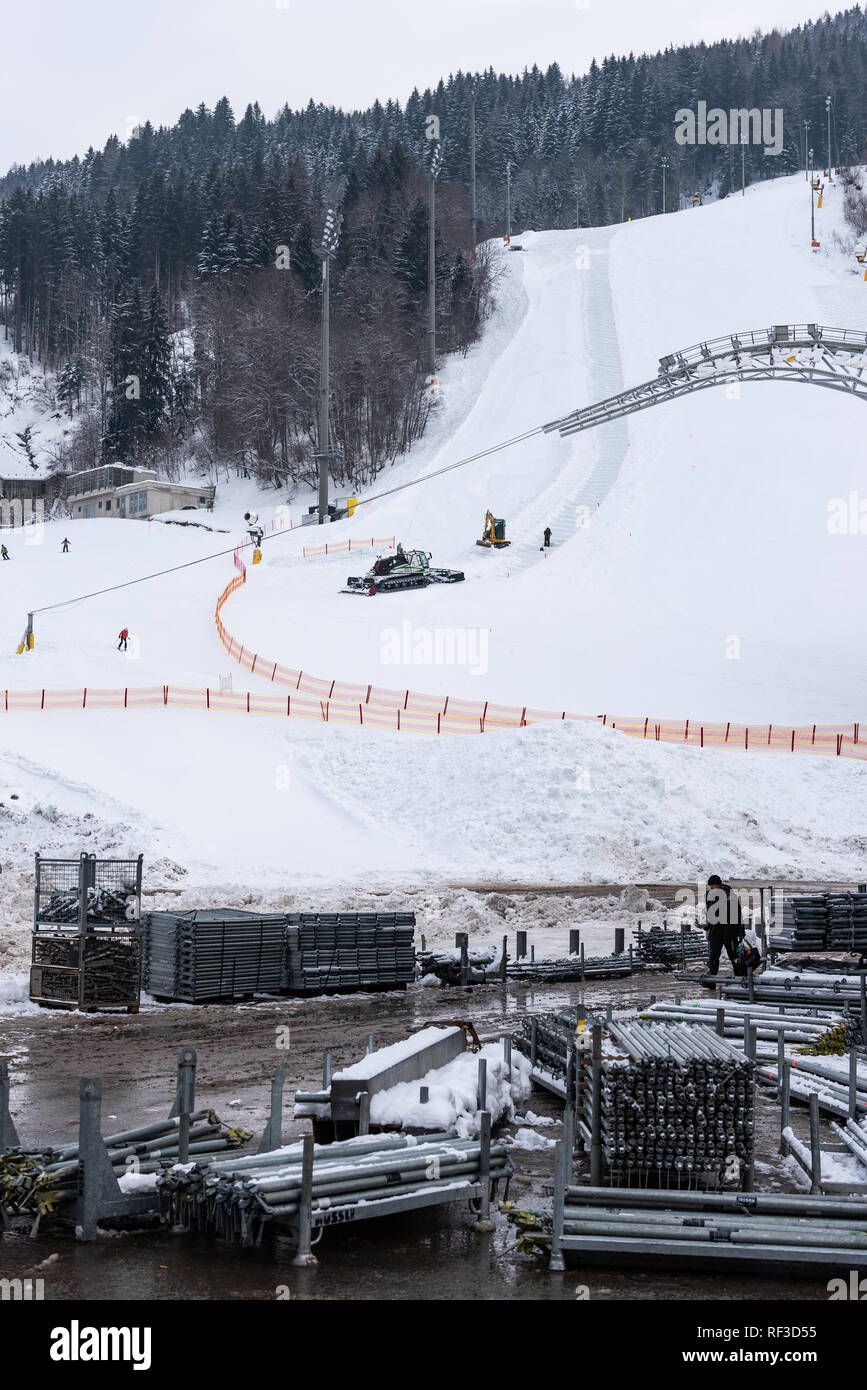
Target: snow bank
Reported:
[(452, 1090)]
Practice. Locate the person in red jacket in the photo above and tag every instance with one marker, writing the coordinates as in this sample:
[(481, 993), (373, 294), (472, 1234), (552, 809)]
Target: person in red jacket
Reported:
[(123, 636)]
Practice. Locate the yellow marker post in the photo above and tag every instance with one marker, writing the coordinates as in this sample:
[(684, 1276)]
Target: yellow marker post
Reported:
[(257, 556), (351, 504)]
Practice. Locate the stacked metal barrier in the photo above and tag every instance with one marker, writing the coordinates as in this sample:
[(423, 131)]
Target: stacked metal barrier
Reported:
[(676, 1105), (821, 922), (213, 954), (847, 922), (357, 1179), (801, 925), (348, 950)]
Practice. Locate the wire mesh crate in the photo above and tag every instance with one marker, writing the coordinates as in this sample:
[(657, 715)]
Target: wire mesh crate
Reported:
[(87, 945), (79, 894), (96, 969)]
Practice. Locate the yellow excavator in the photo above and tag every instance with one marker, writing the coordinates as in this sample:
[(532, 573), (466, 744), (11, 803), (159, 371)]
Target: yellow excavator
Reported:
[(493, 532)]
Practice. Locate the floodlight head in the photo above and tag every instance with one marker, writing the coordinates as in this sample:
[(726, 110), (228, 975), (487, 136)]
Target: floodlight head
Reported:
[(331, 232), (436, 159)]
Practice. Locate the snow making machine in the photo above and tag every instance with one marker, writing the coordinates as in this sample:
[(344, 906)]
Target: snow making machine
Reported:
[(410, 569)]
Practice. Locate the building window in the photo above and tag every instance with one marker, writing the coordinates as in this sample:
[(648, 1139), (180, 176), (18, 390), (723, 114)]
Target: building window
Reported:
[(138, 503), (108, 505), (99, 504)]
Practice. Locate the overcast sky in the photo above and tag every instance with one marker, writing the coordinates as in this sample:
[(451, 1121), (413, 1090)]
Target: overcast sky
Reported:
[(76, 71)]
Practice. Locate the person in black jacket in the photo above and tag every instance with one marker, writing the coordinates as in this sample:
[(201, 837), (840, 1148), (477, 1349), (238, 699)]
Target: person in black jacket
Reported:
[(725, 926)]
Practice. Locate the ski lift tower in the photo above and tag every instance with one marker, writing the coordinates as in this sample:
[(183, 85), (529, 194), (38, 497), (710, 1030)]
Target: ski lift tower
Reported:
[(330, 242)]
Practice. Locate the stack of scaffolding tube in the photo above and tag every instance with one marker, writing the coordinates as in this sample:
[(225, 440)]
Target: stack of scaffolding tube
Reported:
[(761, 1227), (677, 1109), (812, 990), (577, 967), (238, 1198), (39, 1182), (770, 1021)]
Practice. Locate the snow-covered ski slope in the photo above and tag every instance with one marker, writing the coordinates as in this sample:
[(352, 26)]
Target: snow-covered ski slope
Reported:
[(706, 584)]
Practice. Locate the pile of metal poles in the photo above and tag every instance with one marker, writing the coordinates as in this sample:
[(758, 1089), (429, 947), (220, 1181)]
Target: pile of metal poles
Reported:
[(574, 968), (670, 949), (810, 990), (238, 1198), (840, 1094), (756, 1227), (678, 1107), (770, 1021), (38, 1182)]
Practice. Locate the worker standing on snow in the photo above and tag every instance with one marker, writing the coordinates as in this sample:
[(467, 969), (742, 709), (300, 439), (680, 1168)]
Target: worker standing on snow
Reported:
[(725, 926), (123, 636), (65, 545), (4, 552), (547, 535)]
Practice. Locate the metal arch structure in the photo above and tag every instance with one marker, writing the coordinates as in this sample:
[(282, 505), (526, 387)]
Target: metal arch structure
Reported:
[(835, 358)]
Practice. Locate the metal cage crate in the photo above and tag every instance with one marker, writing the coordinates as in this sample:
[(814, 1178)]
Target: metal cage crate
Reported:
[(82, 893), (97, 969)]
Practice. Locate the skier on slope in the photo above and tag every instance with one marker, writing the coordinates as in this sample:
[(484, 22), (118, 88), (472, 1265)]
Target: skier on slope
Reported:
[(65, 545), (547, 534), (123, 637), (4, 552)]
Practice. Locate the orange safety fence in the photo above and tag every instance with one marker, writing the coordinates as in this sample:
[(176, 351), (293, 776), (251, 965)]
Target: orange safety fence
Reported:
[(840, 739), (358, 704), (345, 702), (343, 547)]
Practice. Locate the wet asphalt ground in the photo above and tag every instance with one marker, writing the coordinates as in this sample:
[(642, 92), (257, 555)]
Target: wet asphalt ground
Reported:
[(428, 1255)]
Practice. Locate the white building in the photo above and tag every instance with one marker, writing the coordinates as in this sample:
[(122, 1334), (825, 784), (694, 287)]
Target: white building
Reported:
[(113, 490)]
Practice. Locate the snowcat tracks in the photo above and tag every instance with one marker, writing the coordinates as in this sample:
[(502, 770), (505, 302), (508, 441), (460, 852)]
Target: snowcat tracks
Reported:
[(410, 581)]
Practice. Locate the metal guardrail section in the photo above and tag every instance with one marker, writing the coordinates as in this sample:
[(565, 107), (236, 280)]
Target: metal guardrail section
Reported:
[(835, 358)]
